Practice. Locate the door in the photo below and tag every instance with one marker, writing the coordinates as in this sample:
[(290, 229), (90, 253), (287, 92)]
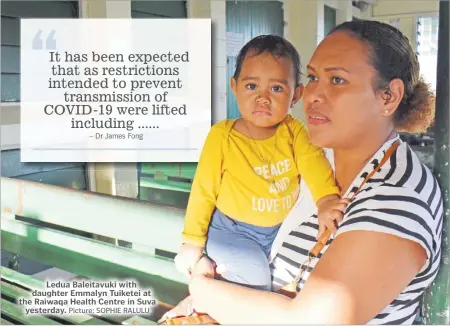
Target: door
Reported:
[(246, 20), (158, 9)]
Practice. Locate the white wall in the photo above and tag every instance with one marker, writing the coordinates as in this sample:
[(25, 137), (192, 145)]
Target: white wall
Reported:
[(404, 7)]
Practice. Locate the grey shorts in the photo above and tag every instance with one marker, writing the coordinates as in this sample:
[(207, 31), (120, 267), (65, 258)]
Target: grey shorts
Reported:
[(243, 248)]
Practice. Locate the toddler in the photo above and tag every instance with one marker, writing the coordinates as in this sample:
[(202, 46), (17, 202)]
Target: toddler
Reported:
[(248, 175)]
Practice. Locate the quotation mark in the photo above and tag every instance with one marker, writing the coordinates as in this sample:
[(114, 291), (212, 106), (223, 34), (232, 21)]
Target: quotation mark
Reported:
[(50, 41)]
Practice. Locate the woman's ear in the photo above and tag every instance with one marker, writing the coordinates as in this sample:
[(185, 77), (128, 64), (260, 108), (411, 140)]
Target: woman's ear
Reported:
[(233, 83), (392, 95), (298, 93)]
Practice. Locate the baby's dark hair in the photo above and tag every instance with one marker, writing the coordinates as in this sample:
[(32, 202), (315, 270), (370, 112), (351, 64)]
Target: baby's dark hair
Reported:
[(391, 55), (273, 44)]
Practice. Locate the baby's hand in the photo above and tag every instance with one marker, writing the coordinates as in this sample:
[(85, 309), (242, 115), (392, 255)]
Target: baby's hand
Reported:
[(330, 212), (204, 267), (187, 258)]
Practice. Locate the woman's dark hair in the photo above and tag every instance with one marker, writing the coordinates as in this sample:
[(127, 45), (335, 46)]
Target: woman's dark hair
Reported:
[(273, 44), (391, 55)]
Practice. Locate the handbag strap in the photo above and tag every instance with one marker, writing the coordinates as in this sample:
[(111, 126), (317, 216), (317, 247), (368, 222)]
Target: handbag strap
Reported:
[(327, 234), (291, 288)]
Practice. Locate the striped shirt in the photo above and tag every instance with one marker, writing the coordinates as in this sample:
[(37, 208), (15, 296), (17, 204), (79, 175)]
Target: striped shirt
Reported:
[(402, 199)]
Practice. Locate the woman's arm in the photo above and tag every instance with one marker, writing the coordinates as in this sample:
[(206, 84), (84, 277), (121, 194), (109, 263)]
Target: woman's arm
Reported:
[(233, 304), (360, 274)]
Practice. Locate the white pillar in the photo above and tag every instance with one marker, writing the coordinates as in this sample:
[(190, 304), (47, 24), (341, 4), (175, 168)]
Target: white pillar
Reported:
[(198, 8), (304, 29), (344, 11), (110, 178), (216, 10), (219, 69), (118, 8)]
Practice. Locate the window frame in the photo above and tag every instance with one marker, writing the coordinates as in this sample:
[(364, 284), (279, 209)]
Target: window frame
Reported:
[(416, 29)]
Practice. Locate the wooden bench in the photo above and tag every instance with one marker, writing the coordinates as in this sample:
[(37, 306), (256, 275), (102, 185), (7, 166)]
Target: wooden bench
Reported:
[(56, 226)]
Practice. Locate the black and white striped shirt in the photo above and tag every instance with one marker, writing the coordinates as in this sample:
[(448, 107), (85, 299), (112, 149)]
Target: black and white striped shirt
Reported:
[(402, 199)]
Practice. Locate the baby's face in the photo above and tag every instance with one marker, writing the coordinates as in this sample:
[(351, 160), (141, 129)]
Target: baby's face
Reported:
[(265, 89)]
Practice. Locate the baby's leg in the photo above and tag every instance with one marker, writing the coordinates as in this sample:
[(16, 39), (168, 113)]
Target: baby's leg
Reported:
[(245, 260)]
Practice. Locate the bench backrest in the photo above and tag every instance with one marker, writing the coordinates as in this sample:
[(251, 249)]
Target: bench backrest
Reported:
[(120, 218)]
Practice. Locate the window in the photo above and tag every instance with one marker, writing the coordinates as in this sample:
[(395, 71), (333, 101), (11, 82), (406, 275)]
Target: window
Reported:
[(73, 175), (427, 44), (11, 12)]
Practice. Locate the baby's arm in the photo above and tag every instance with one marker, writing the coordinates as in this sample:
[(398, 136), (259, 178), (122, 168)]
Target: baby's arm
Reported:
[(312, 165), (330, 211), (202, 200), (316, 170)]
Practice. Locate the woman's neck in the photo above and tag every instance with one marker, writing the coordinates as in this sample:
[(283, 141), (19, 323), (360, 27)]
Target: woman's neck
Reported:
[(350, 161)]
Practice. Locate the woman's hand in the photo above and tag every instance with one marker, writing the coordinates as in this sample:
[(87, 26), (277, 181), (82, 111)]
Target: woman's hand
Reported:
[(184, 308)]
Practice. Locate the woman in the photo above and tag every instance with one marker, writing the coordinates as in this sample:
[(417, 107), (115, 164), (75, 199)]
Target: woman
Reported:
[(364, 86)]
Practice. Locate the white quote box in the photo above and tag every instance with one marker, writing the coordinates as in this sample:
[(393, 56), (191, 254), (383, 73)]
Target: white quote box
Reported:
[(115, 90)]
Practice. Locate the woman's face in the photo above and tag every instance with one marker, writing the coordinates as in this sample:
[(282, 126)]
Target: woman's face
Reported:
[(340, 103)]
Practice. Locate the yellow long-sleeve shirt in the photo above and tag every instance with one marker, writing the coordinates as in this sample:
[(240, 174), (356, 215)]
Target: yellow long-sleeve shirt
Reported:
[(232, 177)]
